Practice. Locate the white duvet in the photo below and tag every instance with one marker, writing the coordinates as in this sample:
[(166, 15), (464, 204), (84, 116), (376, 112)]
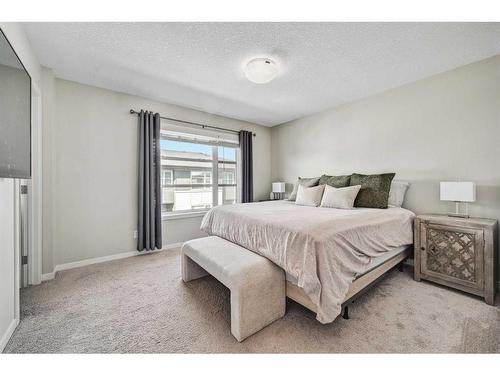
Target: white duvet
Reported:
[(322, 248)]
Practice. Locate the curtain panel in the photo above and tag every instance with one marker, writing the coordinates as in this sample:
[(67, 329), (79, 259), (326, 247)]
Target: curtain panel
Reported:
[(246, 166), (149, 199)]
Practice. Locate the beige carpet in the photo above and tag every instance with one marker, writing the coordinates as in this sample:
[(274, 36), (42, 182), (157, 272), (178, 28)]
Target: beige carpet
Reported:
[(140, 304)]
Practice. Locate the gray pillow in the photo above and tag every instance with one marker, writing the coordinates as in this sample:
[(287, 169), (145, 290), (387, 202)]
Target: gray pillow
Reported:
[(397, 193), (306, 182)]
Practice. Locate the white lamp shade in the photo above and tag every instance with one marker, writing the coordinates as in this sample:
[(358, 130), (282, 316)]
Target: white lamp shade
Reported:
[(458, 191), (278, 187)]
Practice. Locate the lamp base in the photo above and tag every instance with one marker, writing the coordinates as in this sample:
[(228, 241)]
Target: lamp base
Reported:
[(457, 213), (277, 196), (453, 214)]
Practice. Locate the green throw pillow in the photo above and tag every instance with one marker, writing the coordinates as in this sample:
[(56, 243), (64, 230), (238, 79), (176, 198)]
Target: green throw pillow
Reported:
[(374, 192), (335, 181), (306, 182)]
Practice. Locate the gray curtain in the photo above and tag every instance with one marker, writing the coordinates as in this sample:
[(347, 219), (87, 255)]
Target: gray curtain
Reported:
[(246, 167), (149, 225)]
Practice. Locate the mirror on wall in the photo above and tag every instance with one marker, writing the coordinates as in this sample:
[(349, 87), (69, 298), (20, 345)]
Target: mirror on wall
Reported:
[(15, 114)]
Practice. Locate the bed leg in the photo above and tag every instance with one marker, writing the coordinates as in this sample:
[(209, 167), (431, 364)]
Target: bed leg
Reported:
[(345, 312), (401, 267)]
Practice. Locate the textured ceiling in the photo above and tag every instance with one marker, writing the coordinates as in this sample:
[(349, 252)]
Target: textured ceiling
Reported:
[(199, 65)]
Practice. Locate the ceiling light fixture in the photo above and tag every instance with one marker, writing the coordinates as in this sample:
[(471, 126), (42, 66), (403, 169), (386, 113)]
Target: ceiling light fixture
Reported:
[(261, 70)]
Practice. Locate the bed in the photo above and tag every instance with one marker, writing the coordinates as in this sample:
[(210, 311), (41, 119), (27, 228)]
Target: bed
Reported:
[(329, 255), (361, 283)]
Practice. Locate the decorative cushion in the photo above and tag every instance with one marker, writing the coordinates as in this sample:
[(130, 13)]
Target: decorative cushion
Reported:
[(309, 196), (335, 181), (374, 192), (339, 197), (397, 193), (307, 182)]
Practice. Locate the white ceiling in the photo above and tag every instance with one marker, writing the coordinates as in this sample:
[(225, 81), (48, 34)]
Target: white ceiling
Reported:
[(199, 65)]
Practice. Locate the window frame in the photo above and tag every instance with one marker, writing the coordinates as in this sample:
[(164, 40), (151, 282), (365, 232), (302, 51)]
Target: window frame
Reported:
[(215, 185)]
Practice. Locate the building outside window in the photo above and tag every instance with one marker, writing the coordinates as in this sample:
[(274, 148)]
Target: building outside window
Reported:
[(196, 174), (201, 177), (166, 177)]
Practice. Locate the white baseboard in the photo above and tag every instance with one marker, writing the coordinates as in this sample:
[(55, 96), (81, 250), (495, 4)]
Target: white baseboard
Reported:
[(48, 276), (87, 262), (8, 333)]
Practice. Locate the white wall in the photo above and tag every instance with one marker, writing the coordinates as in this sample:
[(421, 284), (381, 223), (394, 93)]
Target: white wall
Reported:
[(441, 128), (48, 160), (8, 292), (90, 172)]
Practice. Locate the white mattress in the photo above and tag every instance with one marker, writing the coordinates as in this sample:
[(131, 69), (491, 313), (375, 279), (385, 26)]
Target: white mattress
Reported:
[(374, 262)]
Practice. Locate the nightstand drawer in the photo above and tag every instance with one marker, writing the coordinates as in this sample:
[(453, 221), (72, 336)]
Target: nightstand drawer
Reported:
[(452, 254)]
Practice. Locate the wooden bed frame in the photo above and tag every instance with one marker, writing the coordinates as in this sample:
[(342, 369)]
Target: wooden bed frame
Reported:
[(358, 286)]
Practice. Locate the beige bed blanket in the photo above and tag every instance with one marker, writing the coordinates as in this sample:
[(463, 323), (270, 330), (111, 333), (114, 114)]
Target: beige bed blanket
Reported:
[(323, 248)]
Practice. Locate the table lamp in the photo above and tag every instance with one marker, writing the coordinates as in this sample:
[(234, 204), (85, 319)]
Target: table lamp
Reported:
[(278, 190), (458, 192)]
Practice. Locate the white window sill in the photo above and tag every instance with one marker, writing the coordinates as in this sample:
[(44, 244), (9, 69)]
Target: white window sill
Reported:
[(182, 215)]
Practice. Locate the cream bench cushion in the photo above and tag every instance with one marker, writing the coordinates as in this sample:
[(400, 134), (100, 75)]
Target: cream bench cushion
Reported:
[(258, 294)]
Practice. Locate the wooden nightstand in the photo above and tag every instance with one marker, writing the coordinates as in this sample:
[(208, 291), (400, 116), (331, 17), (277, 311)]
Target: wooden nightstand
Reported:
[(457, 252)]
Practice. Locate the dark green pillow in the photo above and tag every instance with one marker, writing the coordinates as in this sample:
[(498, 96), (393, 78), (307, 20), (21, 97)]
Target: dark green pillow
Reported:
[(374, 192), (335, 181)]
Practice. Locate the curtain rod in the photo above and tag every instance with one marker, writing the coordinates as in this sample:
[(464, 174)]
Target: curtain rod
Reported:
[(203, 126)]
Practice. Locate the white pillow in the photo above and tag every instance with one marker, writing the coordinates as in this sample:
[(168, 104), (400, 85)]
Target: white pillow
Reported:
[(340, 197), (309, 196), (397, 193)]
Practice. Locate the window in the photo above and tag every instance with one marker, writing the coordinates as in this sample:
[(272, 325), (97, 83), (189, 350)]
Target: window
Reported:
[(201, 177), (227, 175), (166, 177), (226, 178), (197, 172)]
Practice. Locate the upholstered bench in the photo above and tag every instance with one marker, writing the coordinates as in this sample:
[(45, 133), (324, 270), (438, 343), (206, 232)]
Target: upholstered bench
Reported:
[(257, 285)]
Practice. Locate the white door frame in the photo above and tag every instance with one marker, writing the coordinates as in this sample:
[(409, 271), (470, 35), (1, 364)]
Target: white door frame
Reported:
[(17, 249), (35, 190)]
